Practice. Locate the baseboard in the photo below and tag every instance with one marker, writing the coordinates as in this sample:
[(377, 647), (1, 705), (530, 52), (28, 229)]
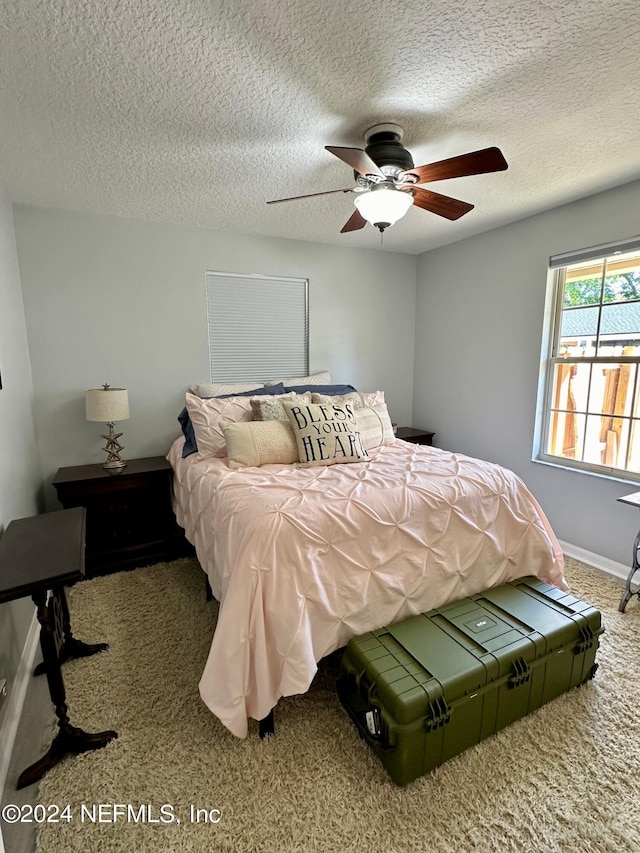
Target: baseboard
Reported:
[(611, 567), (15, 700)]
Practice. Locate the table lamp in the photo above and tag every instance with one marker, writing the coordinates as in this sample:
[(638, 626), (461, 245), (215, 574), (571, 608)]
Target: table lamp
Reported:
[(107, 405)]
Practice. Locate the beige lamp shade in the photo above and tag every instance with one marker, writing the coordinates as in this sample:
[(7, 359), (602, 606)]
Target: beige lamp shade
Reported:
[(107, 404)]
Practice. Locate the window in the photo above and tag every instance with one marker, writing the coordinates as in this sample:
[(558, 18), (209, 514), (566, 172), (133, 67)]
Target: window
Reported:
[(592, 376), (258, 327)]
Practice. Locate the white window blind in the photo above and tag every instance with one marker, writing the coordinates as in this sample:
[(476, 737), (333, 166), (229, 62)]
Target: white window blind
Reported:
[(258, 327), (604, 250)]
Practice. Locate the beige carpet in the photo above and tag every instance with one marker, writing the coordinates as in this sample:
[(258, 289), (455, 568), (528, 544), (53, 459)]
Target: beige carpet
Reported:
[(567, 778)]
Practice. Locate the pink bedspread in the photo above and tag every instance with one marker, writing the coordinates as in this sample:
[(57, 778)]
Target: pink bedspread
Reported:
[(303, 559)]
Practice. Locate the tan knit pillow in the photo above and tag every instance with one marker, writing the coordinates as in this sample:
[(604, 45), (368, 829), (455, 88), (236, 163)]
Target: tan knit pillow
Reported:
[(260, 443)]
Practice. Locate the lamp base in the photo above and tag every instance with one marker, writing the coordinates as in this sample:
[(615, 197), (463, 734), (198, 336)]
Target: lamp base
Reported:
[(112, 448), (114, 465)]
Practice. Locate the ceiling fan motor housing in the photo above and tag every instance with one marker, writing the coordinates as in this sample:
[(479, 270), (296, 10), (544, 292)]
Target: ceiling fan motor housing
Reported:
[(385, 148)]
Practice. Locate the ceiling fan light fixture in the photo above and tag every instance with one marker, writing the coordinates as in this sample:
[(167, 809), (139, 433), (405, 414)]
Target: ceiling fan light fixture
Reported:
[(383, 205)]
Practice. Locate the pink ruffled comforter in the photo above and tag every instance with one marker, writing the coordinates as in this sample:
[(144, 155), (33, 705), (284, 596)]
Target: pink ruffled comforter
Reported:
[(303, 559)]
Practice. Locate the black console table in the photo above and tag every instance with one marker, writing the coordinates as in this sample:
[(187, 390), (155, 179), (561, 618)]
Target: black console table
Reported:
[(37, 555)]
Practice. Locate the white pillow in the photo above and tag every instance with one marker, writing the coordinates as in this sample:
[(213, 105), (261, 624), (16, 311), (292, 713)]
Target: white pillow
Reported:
[(323, 378), (374, 425), (217, 389), (260, 443), (325, 435)]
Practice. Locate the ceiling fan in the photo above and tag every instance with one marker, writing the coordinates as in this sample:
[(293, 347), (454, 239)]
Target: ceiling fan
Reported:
[(387, 180)]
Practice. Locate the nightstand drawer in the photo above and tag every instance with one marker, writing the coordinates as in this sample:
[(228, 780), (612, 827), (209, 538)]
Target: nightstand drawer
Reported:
[(127, 518)]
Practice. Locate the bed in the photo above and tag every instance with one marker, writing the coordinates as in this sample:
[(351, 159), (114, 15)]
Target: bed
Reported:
[(302, 559)]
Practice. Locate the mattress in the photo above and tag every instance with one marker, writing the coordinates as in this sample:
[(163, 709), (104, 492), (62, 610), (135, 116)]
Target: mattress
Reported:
[(303, 559)]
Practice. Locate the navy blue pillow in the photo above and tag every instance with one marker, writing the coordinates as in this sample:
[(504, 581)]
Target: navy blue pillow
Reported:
[(330, 390), (266, 391), (190, 445)]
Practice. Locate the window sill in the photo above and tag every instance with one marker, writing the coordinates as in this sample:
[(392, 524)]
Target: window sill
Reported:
[(602, 474)]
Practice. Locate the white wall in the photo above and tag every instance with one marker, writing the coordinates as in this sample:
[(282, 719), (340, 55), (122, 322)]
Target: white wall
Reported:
[(123, 301), (20, 478), (118, 300), (19, 467), (479, 318)]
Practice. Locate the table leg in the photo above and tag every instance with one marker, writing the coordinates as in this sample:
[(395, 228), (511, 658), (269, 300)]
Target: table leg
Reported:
[(635, 566), (69, 738), (71, 647)]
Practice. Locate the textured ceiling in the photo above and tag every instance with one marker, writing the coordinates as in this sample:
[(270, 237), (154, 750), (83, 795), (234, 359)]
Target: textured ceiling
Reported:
[(199, 112)]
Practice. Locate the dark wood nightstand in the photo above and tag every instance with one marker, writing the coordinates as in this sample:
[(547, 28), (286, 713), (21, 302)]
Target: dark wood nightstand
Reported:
[(130, 521), (415, 436)]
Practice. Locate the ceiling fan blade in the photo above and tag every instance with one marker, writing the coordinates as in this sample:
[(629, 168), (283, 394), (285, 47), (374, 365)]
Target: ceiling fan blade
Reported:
[(474, 163), (309, 195), (443, 205), (357, 159), (355, 222)]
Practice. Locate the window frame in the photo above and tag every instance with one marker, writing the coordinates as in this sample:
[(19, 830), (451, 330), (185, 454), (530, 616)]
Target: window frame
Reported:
[(550, 357)]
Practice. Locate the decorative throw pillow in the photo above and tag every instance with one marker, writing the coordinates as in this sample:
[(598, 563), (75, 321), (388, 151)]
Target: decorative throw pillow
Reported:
[(373, 398), (325, 435), (354, 399), (190, 444), (271, 409), (260, 443), (374, 426), (323, 378)]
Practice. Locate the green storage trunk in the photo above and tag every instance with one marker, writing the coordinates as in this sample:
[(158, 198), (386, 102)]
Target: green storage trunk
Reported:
[(426, 688)]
